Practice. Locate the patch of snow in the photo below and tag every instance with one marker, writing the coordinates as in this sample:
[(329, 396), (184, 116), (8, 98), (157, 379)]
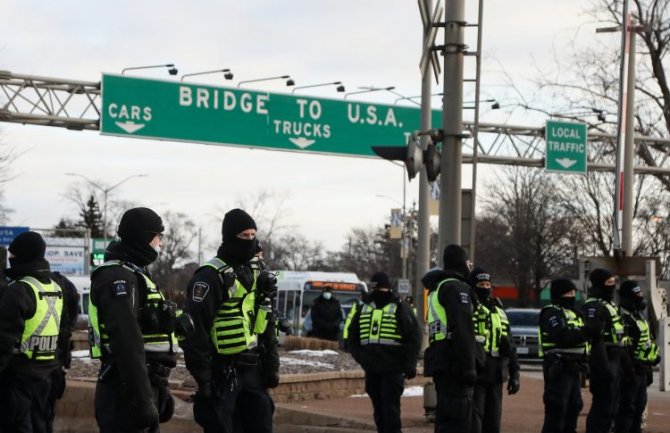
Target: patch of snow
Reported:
[(295, 361), (413, 391), (81, 354), (308, 352)]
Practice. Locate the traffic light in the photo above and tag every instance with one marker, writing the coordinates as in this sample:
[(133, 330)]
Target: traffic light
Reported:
[(97, 259), (412, 155)]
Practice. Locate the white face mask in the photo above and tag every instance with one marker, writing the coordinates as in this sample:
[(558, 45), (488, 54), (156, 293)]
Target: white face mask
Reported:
[(157, 248), (327, 295)]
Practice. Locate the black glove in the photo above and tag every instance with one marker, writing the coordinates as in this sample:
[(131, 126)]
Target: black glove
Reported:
[(410, 373), (270, 378), (144, 414), (593, 330), (165, 404), (470, 377), (513, 384)]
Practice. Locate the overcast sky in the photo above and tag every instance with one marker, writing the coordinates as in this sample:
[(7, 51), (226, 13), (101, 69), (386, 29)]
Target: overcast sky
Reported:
[(358, 42)]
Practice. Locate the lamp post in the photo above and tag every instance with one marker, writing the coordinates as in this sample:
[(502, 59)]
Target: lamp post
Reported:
[(370, 89), (340, 86), (171, 71), (289, 80), (105, 193), (227, 74), (411, 98)]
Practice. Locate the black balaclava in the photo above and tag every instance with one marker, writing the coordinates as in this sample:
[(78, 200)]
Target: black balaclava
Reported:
[(456, 259), (631, 296), (28, 249), (137, 228), (234, 250), (598, 288), (558, 288), (378, 282), (479, 275)]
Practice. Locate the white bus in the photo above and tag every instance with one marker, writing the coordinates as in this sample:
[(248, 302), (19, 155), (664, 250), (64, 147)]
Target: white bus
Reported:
[(298, 289)]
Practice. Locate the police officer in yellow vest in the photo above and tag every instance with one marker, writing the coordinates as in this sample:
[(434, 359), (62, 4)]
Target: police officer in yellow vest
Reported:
[(501, 364), (451, 356), (563, 339), (30, 313), (607, 352), (384, 339), (233, 352), (131, 330), (643, 352)]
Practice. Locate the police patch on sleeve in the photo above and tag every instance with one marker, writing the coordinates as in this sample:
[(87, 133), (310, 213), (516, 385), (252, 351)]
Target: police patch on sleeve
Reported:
[(120, 288), (464, 298), (200, 290)]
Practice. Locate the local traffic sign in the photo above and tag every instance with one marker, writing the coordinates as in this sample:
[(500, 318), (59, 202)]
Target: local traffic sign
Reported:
[(138, 107), (7, 234), (566, 147)]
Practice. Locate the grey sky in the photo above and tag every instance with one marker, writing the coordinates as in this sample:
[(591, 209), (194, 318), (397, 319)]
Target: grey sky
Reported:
[(361, 43)]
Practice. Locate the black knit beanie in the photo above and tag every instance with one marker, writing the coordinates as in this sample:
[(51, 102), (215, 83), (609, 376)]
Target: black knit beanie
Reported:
[(139, 226), (234, 222), (27, 247), (561, 286), (380, 281), (479, 275), (599, 276), (455, 258), (630, 289)]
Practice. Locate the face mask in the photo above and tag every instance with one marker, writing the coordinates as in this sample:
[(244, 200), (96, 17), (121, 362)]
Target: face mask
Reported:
[(640, 304), (327, 295), (568, 303), (157, 248), (483, 292), (608, 292)]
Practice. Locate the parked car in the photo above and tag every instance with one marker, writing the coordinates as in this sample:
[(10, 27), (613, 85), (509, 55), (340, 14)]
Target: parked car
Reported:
[(524, 326)]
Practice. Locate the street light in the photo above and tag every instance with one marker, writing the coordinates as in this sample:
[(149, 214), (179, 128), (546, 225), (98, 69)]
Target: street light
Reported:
[(289, 80), (340, 87), (227, 74), (494, 106), (370, 89), (105, 192), (410, 98), (171, 71)]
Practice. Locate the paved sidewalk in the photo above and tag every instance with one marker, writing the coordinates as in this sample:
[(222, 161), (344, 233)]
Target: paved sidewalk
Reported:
[(522, 413)]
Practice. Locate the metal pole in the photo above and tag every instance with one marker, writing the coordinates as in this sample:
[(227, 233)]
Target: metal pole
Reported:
[(423, 229), (475, 133), (621, 132), (452, 123), (403, 245), (104, 217), (629, 148)]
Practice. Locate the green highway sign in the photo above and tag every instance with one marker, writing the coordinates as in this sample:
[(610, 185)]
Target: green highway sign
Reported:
[(566, 147), (144, 108)]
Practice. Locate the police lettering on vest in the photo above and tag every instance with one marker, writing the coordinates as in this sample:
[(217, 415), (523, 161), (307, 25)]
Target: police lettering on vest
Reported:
[(40, 332)]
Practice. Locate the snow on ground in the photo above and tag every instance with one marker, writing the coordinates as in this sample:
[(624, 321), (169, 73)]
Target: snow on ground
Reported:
[(308, 352), (295, 361), (412, 391)]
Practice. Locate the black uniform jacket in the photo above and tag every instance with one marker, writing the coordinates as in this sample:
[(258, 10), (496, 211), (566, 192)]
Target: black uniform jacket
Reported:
[(118, 294), (555, 325), (381, 358), (68, 319), (204, 295), (18, 304), (498, 369), (457, 354)]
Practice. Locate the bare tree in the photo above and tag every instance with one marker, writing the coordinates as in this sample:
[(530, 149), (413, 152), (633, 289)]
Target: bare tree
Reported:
[(180, 232)]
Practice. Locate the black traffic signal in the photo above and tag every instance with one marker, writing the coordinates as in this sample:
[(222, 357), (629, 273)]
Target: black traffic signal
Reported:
[(412, 155)]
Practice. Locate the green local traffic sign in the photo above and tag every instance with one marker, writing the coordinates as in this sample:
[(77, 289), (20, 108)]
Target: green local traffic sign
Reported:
[(157, 109), (566, 147)]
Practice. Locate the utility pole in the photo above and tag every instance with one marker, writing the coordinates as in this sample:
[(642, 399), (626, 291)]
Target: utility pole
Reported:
[(423, 230), (629, 149), (452, 148)]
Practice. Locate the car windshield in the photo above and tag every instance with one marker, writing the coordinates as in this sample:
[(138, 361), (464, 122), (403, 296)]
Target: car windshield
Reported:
[(523, 318)]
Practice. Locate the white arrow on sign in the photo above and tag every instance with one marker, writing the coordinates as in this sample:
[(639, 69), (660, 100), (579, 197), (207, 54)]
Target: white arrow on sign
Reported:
[(566, 163), (302, 142), (130, 126)]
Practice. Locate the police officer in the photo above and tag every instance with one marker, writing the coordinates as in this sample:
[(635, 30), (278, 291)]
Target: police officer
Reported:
[(563, 347), (232, 353), (644, 355), (30, 314), (607, 352), (451, 356), (384, 339), (501, 364), (131, 330), (65, 346)]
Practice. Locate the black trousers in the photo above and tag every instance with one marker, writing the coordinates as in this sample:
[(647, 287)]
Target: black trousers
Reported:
[(562, 396), (56, 391), (385, 390), (604, 385), (240, 403), (23, 403), (113, 412), (632, 403), (487, 408), (454, 403)]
